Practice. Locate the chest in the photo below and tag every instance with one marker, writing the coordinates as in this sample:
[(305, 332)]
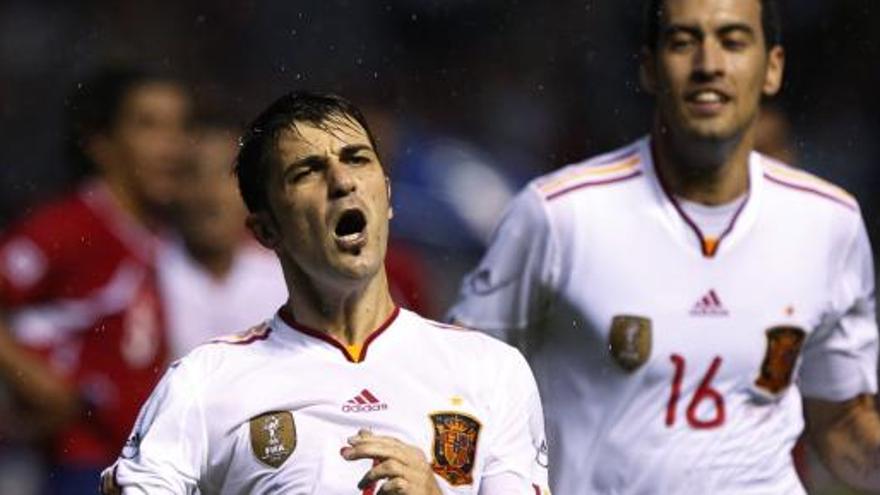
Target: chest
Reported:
[(288, 435), (648, 300)]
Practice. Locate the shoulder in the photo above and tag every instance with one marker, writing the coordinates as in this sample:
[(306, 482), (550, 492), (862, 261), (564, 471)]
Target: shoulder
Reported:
[(613, 167), (227, 352), (465, 341), (256, 333), (64, 217), (806, 187)]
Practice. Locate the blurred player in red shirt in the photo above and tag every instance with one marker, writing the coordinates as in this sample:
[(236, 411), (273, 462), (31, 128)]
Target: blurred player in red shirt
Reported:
[(82, 336)]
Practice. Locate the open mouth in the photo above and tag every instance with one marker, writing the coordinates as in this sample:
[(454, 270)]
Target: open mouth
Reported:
[(707, 101), (350, 231)]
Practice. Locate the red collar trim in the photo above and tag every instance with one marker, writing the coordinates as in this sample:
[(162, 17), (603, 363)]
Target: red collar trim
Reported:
[(708, 250), (288, 318)]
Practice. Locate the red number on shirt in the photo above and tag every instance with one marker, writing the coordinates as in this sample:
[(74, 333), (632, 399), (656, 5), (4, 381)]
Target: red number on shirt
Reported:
[(704, 392)]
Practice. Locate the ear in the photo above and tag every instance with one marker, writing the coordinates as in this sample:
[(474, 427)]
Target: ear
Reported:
[(263, 227), (775, 69), (648, 70), (388, 191), (99, 149)]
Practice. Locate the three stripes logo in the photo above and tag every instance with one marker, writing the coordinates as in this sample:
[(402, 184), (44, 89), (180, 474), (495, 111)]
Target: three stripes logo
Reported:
[(709, 305), (364, 402)]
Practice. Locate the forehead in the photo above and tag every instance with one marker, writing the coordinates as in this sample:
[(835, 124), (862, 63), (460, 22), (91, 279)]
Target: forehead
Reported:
[(155, 97), (304, 139), (712, 13)]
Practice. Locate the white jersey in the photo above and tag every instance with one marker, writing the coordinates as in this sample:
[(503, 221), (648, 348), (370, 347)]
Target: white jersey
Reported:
[(268, 412), (666, 359), (199, 307)]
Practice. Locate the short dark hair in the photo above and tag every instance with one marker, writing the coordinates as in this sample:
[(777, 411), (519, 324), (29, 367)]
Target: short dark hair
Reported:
[(258, 145), (94, 105), (771, 23)]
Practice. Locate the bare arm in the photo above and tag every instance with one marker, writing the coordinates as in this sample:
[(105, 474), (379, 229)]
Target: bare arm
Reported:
[(44, 397), (847, 437)]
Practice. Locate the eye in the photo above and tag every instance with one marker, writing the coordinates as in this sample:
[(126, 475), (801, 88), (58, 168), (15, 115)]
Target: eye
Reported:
[(735, 44), (361, 159), (680, 42), (300, 173)]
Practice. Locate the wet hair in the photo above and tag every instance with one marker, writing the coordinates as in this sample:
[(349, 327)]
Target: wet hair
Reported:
[(771, 23), (94, 106), (259, 145)]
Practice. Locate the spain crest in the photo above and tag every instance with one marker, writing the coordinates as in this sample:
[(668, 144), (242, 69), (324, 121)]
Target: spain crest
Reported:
[(783, 348), (273, 437), (630, 341), (455, 446)]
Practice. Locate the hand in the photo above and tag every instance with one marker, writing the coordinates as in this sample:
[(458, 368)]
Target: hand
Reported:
[(402, 466), (108, 484), (847, 436)]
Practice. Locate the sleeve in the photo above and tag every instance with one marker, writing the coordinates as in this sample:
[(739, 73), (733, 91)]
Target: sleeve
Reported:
[(26, 264), (509, 290), (840, 358), (167, 450), (517, 461)]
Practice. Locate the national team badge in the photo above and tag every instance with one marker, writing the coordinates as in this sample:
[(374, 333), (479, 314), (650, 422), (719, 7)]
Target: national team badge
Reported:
[(455, 446), (630, 341), (273, 437), (783, 348)]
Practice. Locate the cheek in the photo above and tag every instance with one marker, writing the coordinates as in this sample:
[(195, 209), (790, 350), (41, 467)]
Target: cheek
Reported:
[(754, 72)]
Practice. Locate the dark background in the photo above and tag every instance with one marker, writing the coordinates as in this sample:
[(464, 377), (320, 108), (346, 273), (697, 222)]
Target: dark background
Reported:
[(531, 84)]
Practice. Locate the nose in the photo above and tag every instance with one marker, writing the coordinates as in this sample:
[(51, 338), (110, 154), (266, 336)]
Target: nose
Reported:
[(708, 60), (340, 180)]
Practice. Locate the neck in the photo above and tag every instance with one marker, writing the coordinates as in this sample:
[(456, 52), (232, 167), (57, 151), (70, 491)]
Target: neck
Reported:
[(710, 172), (348, 314), (124, 198), (217, 262)]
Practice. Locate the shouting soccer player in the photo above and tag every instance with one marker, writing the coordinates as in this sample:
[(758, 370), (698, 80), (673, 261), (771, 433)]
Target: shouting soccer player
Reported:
[(342, 392), (686, 301)]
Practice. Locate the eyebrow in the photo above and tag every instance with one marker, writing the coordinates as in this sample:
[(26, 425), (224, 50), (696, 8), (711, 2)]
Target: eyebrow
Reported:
[(353, 149), (736, 27), (346, 151), (726, 28)]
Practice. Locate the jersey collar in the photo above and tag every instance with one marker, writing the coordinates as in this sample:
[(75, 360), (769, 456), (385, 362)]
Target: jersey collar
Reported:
[(286, 318), (684, 229)]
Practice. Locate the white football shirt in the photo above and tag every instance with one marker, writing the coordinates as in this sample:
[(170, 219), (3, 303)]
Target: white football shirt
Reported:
[(269, 410), (199, 306), (668, 361)]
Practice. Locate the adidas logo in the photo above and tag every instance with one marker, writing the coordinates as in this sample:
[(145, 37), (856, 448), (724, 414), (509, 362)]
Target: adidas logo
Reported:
[(364, 402), (709, 305)]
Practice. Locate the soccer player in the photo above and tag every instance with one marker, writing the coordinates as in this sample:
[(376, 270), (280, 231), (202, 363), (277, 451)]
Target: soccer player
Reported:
[(214, 278), (341, 392), (77, 279), (685, 301)]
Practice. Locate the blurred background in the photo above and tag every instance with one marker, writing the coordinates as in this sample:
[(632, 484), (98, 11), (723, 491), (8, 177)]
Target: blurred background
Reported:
[(492, 90), (469, 99)]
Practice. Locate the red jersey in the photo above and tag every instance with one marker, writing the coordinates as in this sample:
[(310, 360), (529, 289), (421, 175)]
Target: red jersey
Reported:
[(77, 279)]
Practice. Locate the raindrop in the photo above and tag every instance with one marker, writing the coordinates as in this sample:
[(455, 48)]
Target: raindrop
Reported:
[(414, 17)]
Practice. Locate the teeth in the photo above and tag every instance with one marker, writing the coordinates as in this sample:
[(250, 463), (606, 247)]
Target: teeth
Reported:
[(707, 97)]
